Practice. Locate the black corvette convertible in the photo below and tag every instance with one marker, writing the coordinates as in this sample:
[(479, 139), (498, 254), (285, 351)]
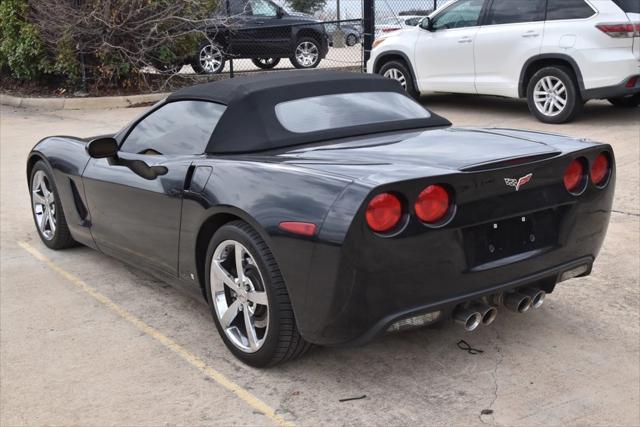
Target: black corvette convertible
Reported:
[(327, 208)]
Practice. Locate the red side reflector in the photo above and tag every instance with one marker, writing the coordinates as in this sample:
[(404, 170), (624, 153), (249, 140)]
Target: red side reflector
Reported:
[(632, 81), (301, 228), (600, 169), (573, 176), (384, 212)]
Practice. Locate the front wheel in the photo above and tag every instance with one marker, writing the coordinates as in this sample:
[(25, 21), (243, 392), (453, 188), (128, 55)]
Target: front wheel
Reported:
[(210, 59), (47, 209), (629, 101), (306, 53), (248, 298), (553, 96), (399, 72), (265, 63)]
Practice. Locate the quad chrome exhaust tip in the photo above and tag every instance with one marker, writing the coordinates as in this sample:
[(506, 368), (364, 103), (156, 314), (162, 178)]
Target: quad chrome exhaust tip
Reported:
[(469, 318), (517, 302), (488, 312), (537, 296)]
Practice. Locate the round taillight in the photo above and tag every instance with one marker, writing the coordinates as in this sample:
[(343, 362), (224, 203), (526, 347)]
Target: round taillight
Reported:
[(432, 204), (573, 176), (600, 169), (384, 212)]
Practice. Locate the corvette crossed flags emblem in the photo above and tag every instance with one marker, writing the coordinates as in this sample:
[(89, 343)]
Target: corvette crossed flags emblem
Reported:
[(518, 183)]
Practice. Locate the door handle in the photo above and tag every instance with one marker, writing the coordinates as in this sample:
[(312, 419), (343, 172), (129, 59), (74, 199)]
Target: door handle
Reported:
[(530, 35), (259, 22), (465, 40)]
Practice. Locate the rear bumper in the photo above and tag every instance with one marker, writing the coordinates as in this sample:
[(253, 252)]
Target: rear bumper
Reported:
[(619, 90), (357, 289)]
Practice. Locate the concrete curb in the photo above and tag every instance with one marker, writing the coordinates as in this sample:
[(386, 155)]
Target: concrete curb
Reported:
[(80, 103)]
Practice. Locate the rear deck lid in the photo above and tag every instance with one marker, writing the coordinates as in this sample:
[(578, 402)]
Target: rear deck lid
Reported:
[(420, 153)]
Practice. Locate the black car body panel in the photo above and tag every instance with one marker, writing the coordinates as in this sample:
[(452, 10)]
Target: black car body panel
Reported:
[(348, 283)]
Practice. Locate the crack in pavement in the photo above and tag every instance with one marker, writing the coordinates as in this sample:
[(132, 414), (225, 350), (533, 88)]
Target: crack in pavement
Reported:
[(625, 213), (495, 381)]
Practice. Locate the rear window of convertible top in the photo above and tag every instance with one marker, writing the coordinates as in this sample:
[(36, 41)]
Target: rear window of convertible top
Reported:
[(319, 113)]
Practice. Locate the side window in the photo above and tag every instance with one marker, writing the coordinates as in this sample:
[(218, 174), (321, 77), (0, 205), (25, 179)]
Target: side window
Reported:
[(182, 127), (568, 9), (515, 11), (465, 13), (263, 8)]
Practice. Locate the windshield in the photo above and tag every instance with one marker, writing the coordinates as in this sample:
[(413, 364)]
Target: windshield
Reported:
[(343, 110), (629, 6)]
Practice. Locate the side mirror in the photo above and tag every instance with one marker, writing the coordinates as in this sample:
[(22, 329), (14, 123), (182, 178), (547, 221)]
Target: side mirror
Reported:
[(279, 13), (426, 24), (102, 148)]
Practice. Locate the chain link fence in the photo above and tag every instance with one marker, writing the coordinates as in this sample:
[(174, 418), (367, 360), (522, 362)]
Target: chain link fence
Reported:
[(251, 36)]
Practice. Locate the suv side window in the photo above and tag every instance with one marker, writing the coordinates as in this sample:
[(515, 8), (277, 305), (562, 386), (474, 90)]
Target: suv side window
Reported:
[(465, 13), (178, 128), (515, 11), (568, 9), (263, 8)]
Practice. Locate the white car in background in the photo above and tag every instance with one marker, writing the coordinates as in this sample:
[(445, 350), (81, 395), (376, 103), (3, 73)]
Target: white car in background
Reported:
[(394, 23), (556, 53)]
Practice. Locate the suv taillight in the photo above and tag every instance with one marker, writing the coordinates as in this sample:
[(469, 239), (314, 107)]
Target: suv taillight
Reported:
[(620, 30)]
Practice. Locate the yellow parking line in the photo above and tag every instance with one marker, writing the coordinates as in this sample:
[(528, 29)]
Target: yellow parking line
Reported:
[(194, 360)]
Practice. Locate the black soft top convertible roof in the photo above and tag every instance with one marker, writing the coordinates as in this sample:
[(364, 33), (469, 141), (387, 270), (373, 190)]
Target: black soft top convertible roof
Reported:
[(249, 123)]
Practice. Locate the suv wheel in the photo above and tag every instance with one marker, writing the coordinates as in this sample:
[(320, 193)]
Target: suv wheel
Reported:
[(629, 101), (306, 53), (352, 39), (398, 71), (248, 298), (553, 96), (265, 63), (210, 59)]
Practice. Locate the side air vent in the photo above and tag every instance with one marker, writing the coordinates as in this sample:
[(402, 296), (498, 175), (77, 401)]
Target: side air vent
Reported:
[(80, 207)]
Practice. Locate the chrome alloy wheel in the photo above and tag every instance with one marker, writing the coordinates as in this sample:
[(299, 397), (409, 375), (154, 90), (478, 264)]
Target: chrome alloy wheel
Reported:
[(43, 204), (239, 297), (210, 58), (307, 54), (550, 96), (395, 74)]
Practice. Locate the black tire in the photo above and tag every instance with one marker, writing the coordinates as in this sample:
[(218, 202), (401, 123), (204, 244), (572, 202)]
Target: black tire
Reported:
[(402, 73), (198, 62), (296, 62), (265, 63), (351, 40), (61, 237), (629, 101), (282, 342), (571, 96)]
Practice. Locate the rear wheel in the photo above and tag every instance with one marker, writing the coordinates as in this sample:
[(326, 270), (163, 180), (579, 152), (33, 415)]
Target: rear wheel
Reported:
[(306, 53), (629, 101), (47, 209), (553, 96), (398, 71), (210, 59), (265, 63), (248, 298), (351, 40)]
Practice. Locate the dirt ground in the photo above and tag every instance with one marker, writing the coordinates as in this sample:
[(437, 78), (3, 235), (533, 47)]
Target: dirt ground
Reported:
[(86, 340)]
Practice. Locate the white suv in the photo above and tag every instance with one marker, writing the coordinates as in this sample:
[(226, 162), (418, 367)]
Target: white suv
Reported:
[(556, 53)]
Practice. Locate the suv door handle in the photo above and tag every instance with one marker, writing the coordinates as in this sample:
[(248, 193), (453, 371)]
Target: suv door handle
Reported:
[(259, 22), (465, 40), (530, 34)]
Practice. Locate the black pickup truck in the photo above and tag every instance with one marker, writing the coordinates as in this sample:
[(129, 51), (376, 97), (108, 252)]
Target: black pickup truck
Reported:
[(261, 31)]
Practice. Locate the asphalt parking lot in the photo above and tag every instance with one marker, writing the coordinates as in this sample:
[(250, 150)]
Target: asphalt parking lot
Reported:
[(86, 340)]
